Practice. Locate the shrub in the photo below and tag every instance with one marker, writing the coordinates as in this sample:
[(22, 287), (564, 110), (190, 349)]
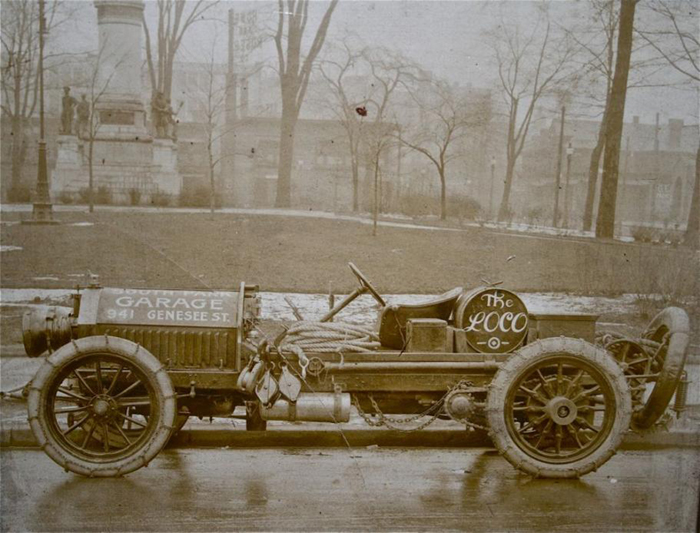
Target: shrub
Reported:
[(134, 196), (103, 195), (534, 215), (418, 205), (160, 199), (463, 207), (66, 198), (20, 194), (508, 215), (84, 195), (668, 279), (644, 234), (196, 197)]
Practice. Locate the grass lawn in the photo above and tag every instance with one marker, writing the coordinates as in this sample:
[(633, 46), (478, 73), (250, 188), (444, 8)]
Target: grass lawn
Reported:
[(177, 250)]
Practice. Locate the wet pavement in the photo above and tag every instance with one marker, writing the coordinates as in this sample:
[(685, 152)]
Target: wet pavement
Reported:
[(378, 489)]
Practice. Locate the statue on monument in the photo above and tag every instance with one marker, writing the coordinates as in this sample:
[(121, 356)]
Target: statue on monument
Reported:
[(172, 122), (68, 103), (159, 115), (83, 115)]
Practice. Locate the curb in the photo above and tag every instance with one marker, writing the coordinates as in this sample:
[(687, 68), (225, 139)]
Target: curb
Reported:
[(18, 435)]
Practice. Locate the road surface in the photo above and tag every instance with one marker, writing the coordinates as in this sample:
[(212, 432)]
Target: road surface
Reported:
[(378, 489)]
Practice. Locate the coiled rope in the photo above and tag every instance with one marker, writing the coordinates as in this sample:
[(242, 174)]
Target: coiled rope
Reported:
[(329, 337)]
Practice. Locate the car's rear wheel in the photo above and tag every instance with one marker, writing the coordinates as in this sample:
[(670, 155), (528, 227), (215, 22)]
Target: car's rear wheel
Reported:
[(558, 408)]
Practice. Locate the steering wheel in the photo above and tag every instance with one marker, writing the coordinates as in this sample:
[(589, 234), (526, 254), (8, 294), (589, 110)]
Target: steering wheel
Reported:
[(364, 283)]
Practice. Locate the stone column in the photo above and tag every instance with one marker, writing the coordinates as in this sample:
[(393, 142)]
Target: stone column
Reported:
[(122, 113)]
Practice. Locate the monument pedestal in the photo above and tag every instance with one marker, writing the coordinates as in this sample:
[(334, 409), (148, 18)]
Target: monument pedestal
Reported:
[(119, 165), (165, 166), (70, 174)]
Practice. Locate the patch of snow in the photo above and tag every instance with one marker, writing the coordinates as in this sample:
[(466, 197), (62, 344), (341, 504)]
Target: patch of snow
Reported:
[(365, 309), (46, 278), (32, 295), (8, 248), (82, 224)]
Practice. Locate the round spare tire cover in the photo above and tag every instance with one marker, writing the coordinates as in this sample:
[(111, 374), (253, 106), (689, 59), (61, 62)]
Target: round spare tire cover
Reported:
[(494, 320)]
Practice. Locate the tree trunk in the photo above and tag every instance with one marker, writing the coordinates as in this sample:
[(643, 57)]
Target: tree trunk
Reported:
[(594, 165), (593, 178), (286, 157), (212, 184), (443, 194), (18, 155), (692, 233), (375, 210), (355, 183), (168, 76), (605, 224), (91, 195), (557, 177), (504, 211)]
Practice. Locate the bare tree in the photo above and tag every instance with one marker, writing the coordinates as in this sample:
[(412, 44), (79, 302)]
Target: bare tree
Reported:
[(596, 56), (294, 73), (676, 40), (450, 118), (19, 79), (213, 106), (615, 110), (389, 70), (98, 85), (335, 71), (528, 67), (173, 22), (602, 63), (377, 138), (365, 108)]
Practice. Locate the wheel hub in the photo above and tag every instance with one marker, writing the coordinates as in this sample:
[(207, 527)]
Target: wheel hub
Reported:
[(562, 410), (101, 406), (459, 405)]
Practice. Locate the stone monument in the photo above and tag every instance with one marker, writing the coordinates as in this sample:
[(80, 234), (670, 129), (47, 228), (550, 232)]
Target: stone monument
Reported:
[(125, 154)]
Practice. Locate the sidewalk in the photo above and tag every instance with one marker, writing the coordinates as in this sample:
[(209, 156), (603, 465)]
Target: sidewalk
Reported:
[(384, 220), (222, 434)]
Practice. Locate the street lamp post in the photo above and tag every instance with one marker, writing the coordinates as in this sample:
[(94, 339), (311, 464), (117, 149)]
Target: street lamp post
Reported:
[(557, 178), (42, 210), (493, 172), (569, 153)]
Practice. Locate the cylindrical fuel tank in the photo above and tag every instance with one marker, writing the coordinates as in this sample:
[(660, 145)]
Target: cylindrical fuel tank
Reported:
[(46, 326), (322, 407)]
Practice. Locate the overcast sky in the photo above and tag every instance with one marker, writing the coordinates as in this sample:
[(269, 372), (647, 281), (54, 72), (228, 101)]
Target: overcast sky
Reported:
[(447, 37)]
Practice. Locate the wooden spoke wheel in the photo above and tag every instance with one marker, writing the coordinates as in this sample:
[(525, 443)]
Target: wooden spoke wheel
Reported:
[(559, 408), (128, 427), (102, 406), (638, 365), (669, 333)]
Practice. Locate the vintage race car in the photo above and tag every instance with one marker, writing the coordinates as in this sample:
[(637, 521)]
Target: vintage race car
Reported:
[(125, 368)]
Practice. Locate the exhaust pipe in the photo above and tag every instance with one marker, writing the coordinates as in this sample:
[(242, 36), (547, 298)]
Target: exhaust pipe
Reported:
[(322, 407)]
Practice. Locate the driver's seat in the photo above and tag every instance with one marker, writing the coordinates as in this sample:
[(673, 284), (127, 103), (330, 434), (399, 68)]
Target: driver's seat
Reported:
[(393, 318)]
